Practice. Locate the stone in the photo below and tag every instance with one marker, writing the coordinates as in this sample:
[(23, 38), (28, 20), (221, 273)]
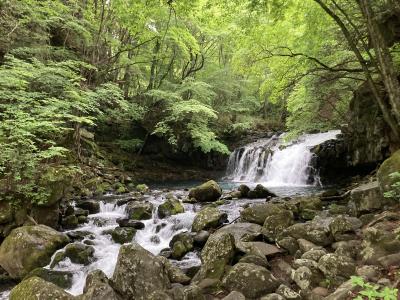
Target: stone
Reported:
[(79, 235), (343, 292), (303, 278), (170, 207), (29, 247), (139, 210), (181, 244), (255, 259), (306, 246), (282, 270), (288, 243), (201, 237), (138, 273), (46, 215), (79, 253), (251, 280), (369, 273), (260, 191), (35, 288), (217, 253), (287, 293), (343, 228), (208, 217), (123, 235), (259, 248), (335, 266), (390, 260), (244, 190), (351, 248), (389, 166), (314, 232), (314, 254), (175, 274), (308, 207), (257, 213), (97, 287), (143, 188), (207, 192), (272, 296), (234, 295), (63, 279), (92, 206), (125, 222), (366, 198), (320, 292), (70, 222), (274, 224)]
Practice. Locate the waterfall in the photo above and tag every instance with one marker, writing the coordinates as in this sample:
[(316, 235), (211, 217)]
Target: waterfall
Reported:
[(275, 163)]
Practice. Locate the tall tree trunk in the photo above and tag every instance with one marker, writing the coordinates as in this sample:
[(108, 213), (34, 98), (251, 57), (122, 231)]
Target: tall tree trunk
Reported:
[(153, 69), (392, 122)]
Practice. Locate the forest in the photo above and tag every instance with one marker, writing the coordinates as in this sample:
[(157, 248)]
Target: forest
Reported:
[(115, 102)]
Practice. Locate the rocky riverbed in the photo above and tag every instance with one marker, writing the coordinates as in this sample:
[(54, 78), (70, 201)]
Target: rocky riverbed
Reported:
[(205, 243)]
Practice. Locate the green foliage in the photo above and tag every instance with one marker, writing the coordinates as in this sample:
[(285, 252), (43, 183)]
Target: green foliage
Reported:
[(394, 193), (131, 145), (373, 291)]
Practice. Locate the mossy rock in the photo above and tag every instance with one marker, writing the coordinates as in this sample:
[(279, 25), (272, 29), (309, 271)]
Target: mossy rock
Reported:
[(35, 288), (140, 210), (389, 166), (208, 217), (170, 207), (123, 235), (143, 188), (70, 222), (29, 247), (62, 279), (209, 191), (79, 253)]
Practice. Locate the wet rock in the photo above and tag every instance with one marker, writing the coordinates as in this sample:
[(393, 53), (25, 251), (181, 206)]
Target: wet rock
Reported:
[(36, 288), (259, 192), (175, 274), (276, 223), (170, 207), (123, 235), (251, 280), (181, 244), (155, 239), (257, 213), (389, 166), (207, 192), (63, 279), (208, 217), (97, 287), (138, 273), (217, 253), (80, 212), (82, 219), (143, 188), (139, 210), (234, 295), (79, 253), (336, 267), (287, 293), (255, 259), (29, 247), (201, 237), (70, 222), (366, 198), (92, 206), (124, 222), (244, 190)]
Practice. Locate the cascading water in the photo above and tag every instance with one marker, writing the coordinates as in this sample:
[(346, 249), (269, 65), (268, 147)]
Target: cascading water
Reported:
[(272, 162)]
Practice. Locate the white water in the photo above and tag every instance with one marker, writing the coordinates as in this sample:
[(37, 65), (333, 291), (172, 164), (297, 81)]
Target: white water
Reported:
[(273, 163)]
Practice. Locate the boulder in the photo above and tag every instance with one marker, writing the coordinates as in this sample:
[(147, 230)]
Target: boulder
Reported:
[(343, 228), (48, 216), (36, 288), (389, 166), (255, 259), (143, 188), (309, 207), (274, 224), (170, 207), (181, 244), (62, 279), (343, 292), (98, 287), (303, 277), (257, 213), (79, 253), (259, 192), (366, 198), (217, 253), (139, 210), (208, 217), (70, 222), (175, 274), (29, 247), (207, 192), (315, 232), (201, 237), (337, 267), (288, 293), (251, 280), (244, 190), (272, 296), (123, 235), (92, 206), (259, 248), (124, 222), (234, 295), (138, 273)]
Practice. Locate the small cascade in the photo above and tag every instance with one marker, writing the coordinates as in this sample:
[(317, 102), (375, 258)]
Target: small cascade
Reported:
[(275, 163)]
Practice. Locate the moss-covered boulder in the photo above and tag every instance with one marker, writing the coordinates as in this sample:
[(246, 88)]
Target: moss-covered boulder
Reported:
[(63, 279), (207, 192), (251, 280), (337, 267), (70, 222), (208, 217), (29, 247), (46, 215), (217, 253), (389, 166), (123, 234), (143, 188), (181, 244), (366, 198), (92, 206), (170, 207), (98, 287), (257, 213), (138, 273), (36, 288), (259, 192), (274, 224), (139, 210), (79, 253)]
